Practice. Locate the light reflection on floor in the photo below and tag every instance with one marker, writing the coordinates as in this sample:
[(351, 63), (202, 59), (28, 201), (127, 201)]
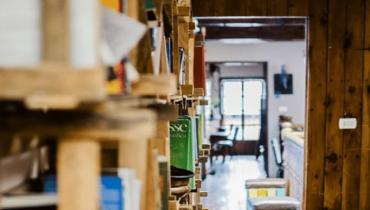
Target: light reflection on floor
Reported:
[(226, 188)]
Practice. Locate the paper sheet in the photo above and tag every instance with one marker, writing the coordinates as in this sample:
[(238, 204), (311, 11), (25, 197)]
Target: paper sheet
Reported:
[(120, 34)]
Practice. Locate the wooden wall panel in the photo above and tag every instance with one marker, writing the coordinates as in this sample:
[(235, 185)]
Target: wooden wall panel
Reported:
[(220, 10), (277, 7), (257, 8), (334, 105), (315, 146), (236, 8), (353, 103), (365, 145), (337, 162), (298, 7), (365, 157)]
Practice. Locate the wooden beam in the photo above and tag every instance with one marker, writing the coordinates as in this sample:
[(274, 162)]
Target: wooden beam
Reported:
[(239, 19), (268, 33)]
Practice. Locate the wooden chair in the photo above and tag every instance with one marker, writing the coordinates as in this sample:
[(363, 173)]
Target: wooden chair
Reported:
[(225, 147)]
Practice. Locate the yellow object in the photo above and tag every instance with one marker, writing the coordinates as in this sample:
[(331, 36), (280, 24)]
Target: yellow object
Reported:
[(253, 193), (262, 192), (113, 4)]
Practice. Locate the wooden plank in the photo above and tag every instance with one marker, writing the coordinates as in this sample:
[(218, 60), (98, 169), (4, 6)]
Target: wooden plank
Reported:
[(104, 126), (150, 181), (263, 32), (334, 104), (365, 144), (257, 8), (259, 20), (133, 154), (189, 77), (353, 102), (315, 122), (184, 42), (298, 7), (234, 8), (61, 81), (183, 11), (198, 8), (277, 7), (78, 182), (219, 8), (153, 85), (55, 22), (133, 12)]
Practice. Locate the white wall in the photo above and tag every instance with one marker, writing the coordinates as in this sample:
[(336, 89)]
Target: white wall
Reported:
[(276, 54)]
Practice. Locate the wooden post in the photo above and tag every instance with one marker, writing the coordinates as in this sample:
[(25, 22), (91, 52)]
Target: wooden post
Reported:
[(78, 174), (133, 154)]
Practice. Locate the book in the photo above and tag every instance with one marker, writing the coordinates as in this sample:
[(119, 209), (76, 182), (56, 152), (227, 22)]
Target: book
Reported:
[(164, 181), (199, 68), (111, 191)]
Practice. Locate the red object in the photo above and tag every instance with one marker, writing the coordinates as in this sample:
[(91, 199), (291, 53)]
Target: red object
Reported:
[(199, 68)]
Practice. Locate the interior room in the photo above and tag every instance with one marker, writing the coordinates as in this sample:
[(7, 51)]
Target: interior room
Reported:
[(184, 104)]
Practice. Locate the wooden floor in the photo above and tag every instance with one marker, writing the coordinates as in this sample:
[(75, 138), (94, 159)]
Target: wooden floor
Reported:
[(226, 187)]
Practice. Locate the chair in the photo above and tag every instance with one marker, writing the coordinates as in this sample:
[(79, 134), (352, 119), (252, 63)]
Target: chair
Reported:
[(269, 194), (226, 146), (278, 157)]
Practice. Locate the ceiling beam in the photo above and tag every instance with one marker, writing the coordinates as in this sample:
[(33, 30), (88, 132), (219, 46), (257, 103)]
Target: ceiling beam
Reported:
[(278, 33), (269, 21)]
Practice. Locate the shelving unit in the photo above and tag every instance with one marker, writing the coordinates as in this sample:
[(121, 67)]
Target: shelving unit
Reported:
[(92, 129)]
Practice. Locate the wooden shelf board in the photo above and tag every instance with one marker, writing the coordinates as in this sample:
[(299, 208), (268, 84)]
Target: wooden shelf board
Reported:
[(154, 85)]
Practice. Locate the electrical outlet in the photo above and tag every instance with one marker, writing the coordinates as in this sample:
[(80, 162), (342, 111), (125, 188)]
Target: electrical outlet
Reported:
[(347, 123)]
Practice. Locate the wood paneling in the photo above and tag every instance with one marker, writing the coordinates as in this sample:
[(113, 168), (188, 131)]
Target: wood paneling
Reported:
[(365, 145), (236, 7), (315, 134), (277, 7), (334, 105), (257, 8), (353, 103), (336, 161), (297, 7)]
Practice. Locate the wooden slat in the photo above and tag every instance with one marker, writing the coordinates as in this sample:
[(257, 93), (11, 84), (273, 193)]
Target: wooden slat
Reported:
[(184, 42), (55, 17), (198, 8), (267, 32), (353, 103), (221, 9), (365, 144), (298, 7), (334, 103), (315, 120), (257, 8), (189, 77), (245, 19), (235, 7), (78, 182), (153, 85), (277, 7)]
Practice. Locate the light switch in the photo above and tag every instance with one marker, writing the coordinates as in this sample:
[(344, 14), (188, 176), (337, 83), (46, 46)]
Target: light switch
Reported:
[(283, 109), (347, 123)]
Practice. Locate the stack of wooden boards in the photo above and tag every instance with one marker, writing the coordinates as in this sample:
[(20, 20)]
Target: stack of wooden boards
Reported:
[(54, 92)]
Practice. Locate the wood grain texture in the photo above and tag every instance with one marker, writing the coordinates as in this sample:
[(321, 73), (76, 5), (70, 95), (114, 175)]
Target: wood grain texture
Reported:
[(78, 174), (257, 8), (298, 7), (198, 7), (133, 154), (190, 74), (221, 10), (315, 118), (334, 105), (353, 103), (365, 144), (55, 22), (277, 7), (234, 8), (184, 43)]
